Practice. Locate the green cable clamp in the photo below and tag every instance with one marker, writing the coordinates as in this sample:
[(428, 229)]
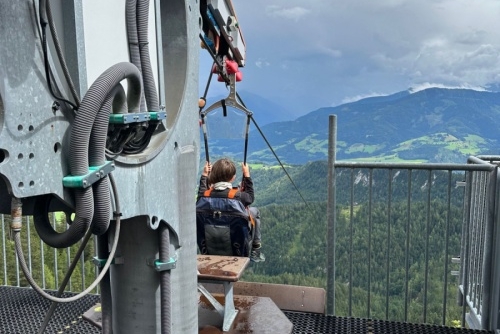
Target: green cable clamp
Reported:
[(157, 115), (95, 174), (162, 266), (101, 262), (137, 117)]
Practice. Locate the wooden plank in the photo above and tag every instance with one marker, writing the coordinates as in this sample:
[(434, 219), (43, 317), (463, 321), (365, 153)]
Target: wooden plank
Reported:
[(221, 268), (286, 297)]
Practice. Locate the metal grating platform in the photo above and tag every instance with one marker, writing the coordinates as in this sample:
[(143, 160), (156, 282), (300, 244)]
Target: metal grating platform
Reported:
[(321, 324), (22, 311)]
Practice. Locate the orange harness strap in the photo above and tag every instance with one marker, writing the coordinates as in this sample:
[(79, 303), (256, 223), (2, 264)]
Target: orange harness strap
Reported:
[(232, 192), (251, 218)]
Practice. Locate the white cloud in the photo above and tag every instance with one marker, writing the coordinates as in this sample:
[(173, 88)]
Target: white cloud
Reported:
[(426, 85), (292, 13), (361, 97), (260, 63), (329, 51), (341, 49), (444, 61)]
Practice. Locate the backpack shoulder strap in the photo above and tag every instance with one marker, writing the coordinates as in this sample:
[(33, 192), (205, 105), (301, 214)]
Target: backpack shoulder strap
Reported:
[(232, 192)]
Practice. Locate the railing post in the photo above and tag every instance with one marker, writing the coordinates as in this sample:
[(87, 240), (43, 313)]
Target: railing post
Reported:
[(331, 215), (491, 276)]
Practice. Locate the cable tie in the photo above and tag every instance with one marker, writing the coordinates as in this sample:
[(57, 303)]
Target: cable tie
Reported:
[(117, 214), (55, 106)]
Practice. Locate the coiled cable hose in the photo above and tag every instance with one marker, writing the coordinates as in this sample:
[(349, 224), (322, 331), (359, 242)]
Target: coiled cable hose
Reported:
[(165, 286), (150, 91), (81, 132), (133, 40)]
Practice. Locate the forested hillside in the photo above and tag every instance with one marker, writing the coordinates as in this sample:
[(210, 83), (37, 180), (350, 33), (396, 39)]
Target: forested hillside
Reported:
[(272, 185), (48, 265), (431, 125), (294, 239)]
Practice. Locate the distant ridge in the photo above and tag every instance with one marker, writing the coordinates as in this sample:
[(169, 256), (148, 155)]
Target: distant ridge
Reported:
[(434, 125)]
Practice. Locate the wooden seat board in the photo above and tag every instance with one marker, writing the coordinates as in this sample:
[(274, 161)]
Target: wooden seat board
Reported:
[(221, 268)]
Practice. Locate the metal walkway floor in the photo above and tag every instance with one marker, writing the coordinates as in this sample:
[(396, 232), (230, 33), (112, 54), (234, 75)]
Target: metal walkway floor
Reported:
[(22, 311)]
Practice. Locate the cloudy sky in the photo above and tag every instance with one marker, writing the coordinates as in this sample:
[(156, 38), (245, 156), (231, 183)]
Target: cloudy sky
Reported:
[(309, 54)]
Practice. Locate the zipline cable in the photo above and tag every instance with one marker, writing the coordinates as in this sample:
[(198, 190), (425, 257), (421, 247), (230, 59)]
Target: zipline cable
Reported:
[(204, 97), (203, 125), (274, 153), (279, 161)]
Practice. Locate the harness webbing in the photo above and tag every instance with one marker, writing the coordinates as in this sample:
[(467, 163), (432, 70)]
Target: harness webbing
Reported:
[(232, 192)]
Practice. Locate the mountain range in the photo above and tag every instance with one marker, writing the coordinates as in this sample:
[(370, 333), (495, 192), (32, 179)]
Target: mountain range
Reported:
[(431, 125)]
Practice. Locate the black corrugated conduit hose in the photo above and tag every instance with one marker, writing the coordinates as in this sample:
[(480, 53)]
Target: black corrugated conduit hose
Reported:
[(150, 91), (133, 40), (79, 154), (102, 203), (97, 157), (119, 100), (137, 31), (152, 101), (105, 287), (165, 292)]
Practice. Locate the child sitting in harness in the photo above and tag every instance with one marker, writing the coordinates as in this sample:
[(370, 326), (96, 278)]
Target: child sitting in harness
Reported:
[(217, 179)]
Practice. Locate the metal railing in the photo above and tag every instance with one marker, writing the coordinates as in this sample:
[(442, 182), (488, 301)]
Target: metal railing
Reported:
[(431, 226), (479, 277), (47, 265), (408, 220)]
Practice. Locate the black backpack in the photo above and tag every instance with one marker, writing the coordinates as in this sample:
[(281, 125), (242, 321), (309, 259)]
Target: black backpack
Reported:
[(223, 224)]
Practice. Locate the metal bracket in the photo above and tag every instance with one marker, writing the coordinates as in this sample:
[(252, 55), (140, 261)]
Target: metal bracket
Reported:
[(137, 117), (227, 311), (231, 100), (95, 174), (101, 262), (157, 115), (162, 266)]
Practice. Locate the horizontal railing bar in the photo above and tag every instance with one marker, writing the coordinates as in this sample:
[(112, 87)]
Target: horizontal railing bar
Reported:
[(486, 167), (488, 157)]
